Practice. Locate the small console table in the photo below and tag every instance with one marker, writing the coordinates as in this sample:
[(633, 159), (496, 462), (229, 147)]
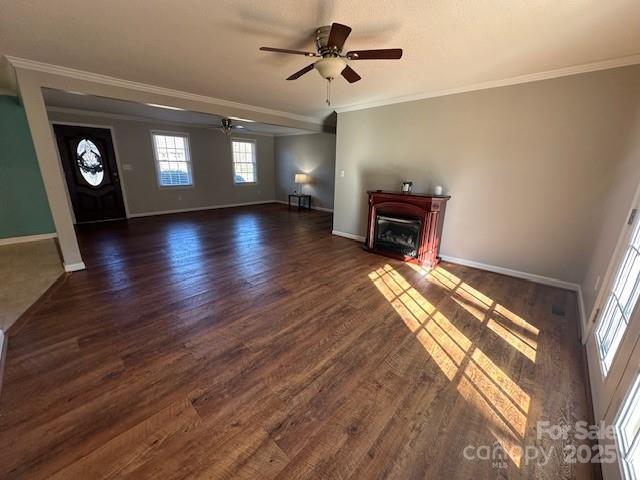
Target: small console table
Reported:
[(301, 200)]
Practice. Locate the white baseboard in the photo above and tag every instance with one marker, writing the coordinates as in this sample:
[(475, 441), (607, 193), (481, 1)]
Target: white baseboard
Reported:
[(27, 238), (583, 317), (322, 209), (74, 267), (553, 282), (3, 355), (197, 209), (351, 236)]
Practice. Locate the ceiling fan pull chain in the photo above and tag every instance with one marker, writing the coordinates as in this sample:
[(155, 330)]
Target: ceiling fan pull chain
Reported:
[(329, 91)]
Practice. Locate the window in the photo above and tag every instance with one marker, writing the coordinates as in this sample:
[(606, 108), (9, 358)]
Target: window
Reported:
[(89, 162), (244, 161), (173, 162), (628, 433), (620, 303)]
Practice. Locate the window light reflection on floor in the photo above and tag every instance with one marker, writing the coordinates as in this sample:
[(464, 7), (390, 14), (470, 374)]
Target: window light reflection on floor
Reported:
[(479, 380)]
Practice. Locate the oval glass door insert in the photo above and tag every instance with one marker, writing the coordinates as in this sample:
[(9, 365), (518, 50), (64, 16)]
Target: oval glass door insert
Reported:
[(90, 162)]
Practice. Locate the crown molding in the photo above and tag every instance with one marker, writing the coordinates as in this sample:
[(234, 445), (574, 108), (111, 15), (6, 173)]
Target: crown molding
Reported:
[(299, 133), (142, 119), (26, 64), (23, 63), (532, 77)]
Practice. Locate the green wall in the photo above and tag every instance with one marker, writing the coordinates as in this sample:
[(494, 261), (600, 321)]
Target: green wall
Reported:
[(24, 209)]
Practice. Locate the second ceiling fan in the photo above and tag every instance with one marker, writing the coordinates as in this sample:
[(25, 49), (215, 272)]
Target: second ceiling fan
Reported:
[(329, 43)]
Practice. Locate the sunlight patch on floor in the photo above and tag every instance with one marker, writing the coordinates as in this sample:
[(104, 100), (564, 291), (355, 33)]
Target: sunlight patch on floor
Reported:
[(479, 380), (512, 339)]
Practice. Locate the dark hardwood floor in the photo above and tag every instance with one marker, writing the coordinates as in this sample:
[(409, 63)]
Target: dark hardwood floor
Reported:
[(251, 343)]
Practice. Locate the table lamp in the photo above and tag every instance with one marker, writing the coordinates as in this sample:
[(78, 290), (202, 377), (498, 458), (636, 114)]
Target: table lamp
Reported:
[(300, 179)]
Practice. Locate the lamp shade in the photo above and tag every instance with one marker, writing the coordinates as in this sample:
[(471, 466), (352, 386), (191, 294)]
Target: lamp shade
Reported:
[(301, 178)]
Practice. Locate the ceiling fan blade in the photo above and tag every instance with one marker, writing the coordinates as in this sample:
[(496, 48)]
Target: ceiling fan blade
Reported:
[(284, 50), (350, 74), (382, 54), (299, 73), (338, 35)]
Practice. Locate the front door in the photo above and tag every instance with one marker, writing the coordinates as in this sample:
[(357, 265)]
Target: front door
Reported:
[(89, 164)]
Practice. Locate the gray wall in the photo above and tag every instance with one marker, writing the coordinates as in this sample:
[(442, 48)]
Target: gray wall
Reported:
[(616, 204), (528, 166), (314, 154), (211, 163)]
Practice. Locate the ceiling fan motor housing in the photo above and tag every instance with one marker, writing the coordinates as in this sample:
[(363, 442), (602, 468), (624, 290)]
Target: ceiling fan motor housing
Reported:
[(330, 65), (322, 39)]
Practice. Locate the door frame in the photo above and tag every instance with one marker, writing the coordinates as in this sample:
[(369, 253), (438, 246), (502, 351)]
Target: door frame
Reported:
[(118, 164)]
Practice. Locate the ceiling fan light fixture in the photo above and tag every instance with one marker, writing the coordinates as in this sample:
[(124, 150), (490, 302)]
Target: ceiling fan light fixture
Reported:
[(225, 126), (330, 67)]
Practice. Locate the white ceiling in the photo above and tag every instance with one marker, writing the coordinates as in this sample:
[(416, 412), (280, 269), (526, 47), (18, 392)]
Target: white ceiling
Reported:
[(211, 47), (92, 104)]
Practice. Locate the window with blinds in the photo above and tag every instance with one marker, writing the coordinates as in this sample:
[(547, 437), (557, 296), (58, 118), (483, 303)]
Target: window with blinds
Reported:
[(173, 163), (244, 161)]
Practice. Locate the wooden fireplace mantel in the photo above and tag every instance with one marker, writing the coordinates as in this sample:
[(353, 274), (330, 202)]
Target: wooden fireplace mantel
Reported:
[(427, 208)]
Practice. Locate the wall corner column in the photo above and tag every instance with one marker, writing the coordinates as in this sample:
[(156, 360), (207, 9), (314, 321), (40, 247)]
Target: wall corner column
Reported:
[(46, 151)]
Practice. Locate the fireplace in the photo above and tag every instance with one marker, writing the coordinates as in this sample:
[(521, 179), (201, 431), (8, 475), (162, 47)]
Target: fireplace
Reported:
[(406, 226), (398, 235)]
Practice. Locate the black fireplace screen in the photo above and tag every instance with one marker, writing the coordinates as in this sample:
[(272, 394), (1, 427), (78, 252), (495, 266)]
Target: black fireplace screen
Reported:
[(398, 235)]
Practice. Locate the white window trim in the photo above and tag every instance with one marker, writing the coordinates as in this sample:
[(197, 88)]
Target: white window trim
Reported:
[(255, 161), (156, 161), (621, 443), (610, 272), (621, 250)]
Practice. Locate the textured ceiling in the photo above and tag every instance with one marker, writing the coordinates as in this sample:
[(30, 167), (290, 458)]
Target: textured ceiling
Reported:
[(57, 98), (211, 47)]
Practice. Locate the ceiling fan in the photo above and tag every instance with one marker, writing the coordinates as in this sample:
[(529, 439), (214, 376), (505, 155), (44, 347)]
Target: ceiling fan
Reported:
[(227, 127), (329, 42)]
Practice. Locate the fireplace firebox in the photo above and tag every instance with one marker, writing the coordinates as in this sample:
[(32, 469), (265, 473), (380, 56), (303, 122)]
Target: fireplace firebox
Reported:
[(398, 235), (406, 226)]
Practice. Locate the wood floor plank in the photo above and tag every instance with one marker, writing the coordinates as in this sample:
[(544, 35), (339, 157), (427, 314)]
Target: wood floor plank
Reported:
[(121, 453), (251, 343), (227, 440), (49, 446)]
